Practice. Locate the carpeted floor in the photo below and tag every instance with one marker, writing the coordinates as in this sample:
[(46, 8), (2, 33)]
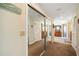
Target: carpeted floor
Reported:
[(35, 49), (53, 49), (59, 49)]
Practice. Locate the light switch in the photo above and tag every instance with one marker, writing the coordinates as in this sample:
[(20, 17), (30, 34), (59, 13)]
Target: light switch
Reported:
[(22, 33)]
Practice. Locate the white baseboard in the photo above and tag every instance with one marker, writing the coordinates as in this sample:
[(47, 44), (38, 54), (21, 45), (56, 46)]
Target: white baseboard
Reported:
[(42, 53)]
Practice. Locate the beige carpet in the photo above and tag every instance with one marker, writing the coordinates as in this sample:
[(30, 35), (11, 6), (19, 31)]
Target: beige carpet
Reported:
[(35, 49), (52, 49), (59, 49)]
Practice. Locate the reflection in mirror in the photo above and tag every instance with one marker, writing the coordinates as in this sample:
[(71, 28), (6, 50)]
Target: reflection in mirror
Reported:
[(48, 29), (58, 31), (35, 28)]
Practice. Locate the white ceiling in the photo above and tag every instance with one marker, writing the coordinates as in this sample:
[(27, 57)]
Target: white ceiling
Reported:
[(58, 10)]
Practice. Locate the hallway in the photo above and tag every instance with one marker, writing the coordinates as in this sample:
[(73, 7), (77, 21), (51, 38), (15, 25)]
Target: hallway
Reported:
[(54, 32), (53, 49), (59, 49), (39, 29)]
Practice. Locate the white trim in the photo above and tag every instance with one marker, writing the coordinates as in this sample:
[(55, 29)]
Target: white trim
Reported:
[(32, 42), (42, 53)]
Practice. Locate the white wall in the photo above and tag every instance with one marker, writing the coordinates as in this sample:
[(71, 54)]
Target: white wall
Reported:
[(35, 31), (74, 33), (77, 31), (11, 27)]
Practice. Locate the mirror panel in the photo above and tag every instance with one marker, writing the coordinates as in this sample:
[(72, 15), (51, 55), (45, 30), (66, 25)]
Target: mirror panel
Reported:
[(35, 35)]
